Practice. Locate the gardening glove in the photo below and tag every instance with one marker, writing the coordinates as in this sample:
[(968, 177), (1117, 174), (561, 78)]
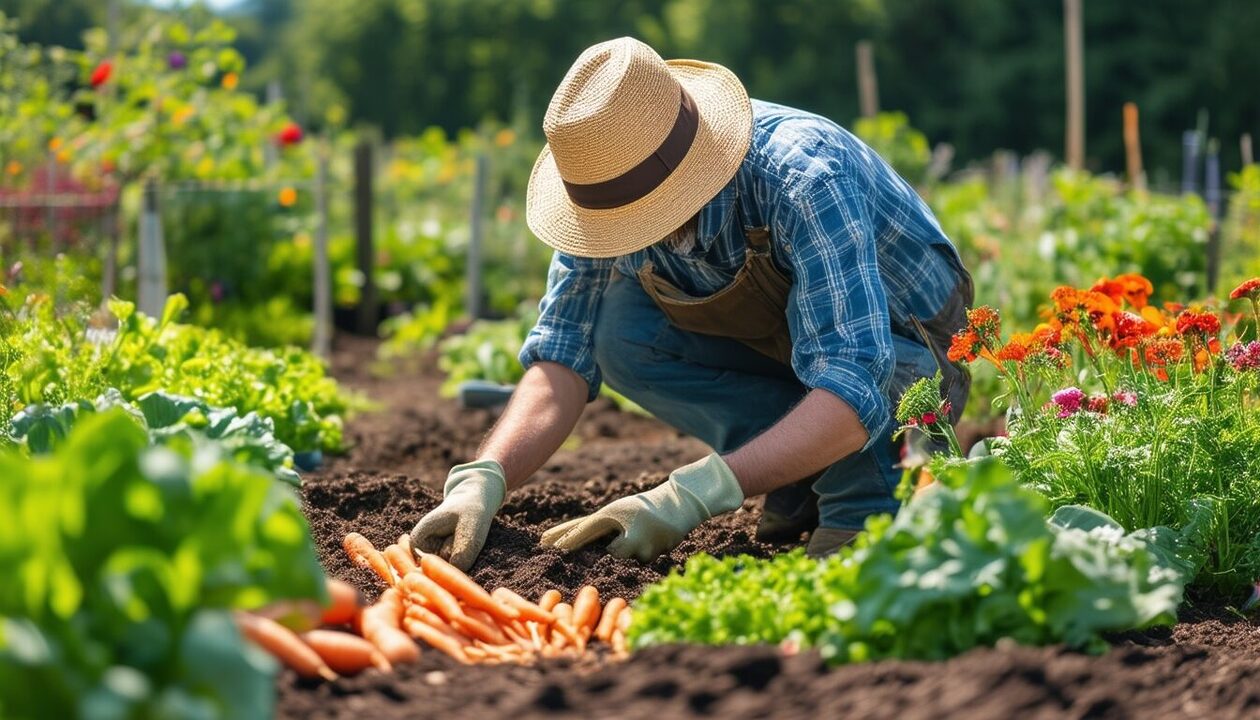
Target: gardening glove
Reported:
[(655, 521), (457, 528)]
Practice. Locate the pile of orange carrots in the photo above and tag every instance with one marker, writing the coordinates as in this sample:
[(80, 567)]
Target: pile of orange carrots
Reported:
[(434, 602)]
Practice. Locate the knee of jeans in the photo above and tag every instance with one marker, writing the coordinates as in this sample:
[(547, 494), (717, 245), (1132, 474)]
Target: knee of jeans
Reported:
[(624, 339)]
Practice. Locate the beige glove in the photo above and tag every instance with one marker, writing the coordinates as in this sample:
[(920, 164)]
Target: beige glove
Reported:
[(457, 528), (655, 521)]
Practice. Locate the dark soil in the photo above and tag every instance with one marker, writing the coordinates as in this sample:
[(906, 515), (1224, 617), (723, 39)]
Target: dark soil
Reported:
[(1206, 666)]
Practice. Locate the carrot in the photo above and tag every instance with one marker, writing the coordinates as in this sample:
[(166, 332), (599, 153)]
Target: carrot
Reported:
[(432, 619), (623, 619), (563, 631), (463, 587), (480, 625), (608, 621), (549, 599), (586, 612), (382, 626), (363, 554), (436, 639), (404, 542), (527, 609), (619, 642), (284, 645), (399, 559), (345, 603), (417, 583), (345, 653)]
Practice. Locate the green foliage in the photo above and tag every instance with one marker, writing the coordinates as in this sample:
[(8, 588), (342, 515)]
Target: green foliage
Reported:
[(969, 562), (486, 351), (248, 439), (54, 360), (124, 563)]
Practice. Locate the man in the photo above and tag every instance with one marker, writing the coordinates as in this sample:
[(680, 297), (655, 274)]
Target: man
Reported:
[(751, 274)]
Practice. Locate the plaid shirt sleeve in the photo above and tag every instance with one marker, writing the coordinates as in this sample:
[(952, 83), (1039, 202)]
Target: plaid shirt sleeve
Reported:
[(837, 308), (566, 322)]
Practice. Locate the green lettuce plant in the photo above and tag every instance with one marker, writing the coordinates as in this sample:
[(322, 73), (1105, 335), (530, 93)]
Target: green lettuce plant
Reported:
[(968, 562), (123, 564)]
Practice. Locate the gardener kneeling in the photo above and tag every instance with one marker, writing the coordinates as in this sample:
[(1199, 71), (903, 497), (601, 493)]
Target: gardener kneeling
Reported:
[(752, 274)]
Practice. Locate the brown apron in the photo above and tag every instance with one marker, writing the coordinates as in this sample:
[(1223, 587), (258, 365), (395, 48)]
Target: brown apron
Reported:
[(753, 310)]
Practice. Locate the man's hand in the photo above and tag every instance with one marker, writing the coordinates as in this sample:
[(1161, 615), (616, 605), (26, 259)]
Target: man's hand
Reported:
[(655, 521), (458, 527)]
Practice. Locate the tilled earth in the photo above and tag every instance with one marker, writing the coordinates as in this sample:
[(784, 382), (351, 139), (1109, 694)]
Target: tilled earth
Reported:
[(1206, 666)]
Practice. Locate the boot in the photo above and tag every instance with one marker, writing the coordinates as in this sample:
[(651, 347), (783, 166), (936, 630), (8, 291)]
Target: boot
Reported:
[(827, 541), (788, 512)]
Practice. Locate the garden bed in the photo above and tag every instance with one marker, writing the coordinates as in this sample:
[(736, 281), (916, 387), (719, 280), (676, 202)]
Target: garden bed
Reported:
[(1207, 664)]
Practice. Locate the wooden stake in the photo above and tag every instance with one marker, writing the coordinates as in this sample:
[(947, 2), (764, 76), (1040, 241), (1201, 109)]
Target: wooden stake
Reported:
[(1244, 147), (1133, 148), (1074, 47), (868, 84), (366, 255), (321, 340)]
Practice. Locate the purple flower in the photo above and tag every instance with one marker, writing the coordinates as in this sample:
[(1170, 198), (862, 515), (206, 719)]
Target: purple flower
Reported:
[(176, 60), (1244, 356), (1125, 397), (1068, 400)]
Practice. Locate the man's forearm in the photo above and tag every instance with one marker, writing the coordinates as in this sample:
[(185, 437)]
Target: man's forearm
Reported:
[(544, 409), (816, 433)]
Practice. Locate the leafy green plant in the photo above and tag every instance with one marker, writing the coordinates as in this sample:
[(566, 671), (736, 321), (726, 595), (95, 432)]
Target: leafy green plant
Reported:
[(486, 351), (56, 359), (248, 438), (968, 562), (125, 562)]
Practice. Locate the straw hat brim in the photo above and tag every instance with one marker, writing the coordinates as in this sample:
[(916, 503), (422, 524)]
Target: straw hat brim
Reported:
[(720, 144)]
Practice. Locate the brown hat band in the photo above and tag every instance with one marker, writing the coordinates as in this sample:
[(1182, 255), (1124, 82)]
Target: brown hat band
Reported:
[(645, 177)]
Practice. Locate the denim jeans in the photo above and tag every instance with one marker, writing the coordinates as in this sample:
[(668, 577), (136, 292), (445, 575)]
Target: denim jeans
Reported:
[(725, 393)]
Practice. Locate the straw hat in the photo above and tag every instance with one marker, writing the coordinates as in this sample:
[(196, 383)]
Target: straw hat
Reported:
[(635, 147)]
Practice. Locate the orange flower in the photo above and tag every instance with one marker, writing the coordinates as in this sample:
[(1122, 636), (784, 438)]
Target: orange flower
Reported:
[(13, 168), (1129, 287), (1249, 289), (230, 81), (3, 291), (964, 347), (288, 197), (1162, 353), (1016, 350), (985, 322)]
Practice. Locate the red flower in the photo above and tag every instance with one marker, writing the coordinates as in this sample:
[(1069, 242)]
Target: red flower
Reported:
[(290, 134), (1249, 289), (1129, 287), (101, 74), (1097, 404), (1195, 322), (929, 418), (1131, 329)]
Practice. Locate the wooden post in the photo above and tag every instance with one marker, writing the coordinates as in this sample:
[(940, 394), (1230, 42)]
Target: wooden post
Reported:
[(1212, 194), (472, 269), (50, 203), (1189, 161), (1133, 148), (271, 155), (152, 256), (365, 252), (868, 83), (1244, 149), (321, 339), (111, 221), (1074, 47)]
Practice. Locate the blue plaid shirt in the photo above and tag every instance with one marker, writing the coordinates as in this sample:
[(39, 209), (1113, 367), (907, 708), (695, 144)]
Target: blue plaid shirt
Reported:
[(862, 250)]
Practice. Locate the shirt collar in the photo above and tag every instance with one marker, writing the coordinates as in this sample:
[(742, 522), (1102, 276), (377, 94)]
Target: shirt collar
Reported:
[(715, 216)]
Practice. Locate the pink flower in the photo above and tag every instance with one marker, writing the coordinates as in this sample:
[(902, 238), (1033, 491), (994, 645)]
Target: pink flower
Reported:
[(1068, 401), (1125, 397), (1244, 356)]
